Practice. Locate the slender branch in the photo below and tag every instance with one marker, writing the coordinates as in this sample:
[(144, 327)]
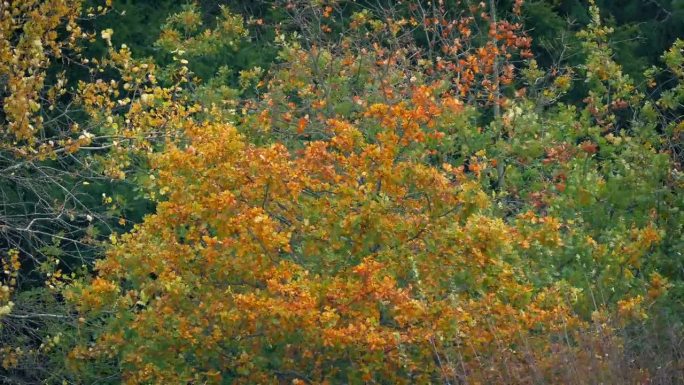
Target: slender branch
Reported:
[(36, 315)]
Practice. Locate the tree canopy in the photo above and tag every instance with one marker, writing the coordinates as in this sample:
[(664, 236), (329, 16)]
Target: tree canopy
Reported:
[(341, 192)]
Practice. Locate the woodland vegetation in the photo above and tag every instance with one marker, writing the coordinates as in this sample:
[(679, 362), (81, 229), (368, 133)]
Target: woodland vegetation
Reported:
[(341, 192)]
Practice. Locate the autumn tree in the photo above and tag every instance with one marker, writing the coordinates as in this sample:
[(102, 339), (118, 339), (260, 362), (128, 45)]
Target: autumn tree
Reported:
[(380, 213), (338, 192), (64, 162)]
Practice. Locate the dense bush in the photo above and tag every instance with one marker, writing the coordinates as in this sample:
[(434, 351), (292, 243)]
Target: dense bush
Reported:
[(343, 192)]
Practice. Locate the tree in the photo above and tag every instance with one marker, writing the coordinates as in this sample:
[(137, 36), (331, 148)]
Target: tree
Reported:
[(307, 239), (343, 192), (63, 158)]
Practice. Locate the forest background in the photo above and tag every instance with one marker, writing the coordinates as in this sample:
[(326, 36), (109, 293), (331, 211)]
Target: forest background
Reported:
[(303, 191)]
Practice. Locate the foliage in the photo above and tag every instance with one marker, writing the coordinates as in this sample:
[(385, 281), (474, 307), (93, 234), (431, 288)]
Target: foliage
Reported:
[(63, 161), (345, 192)]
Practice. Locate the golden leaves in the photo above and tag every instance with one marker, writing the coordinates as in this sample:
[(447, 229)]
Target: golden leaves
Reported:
[(28, 44), (309, 251), (332, 239)]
